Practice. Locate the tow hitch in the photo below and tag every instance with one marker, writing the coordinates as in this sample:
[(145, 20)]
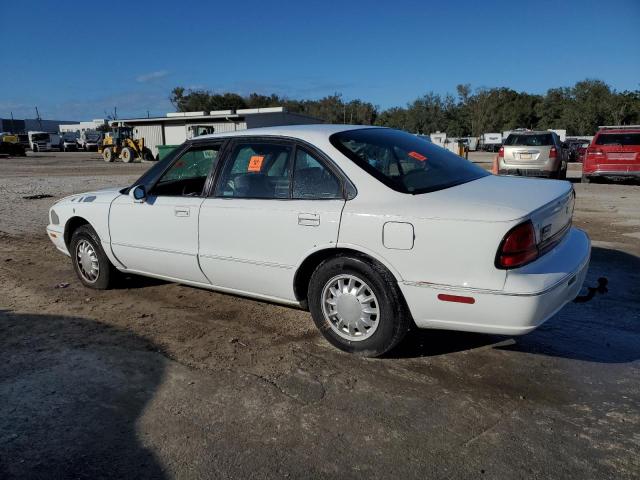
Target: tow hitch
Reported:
[(591, 291)]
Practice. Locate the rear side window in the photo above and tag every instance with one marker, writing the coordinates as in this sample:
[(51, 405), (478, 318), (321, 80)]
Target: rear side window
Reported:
[(539, 140), (623, 139), (256, 170), (405, 162), (312, 180)]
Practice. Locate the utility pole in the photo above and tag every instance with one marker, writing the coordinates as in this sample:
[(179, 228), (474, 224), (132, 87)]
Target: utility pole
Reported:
[(38, 117), (12, 127), (115, 113)]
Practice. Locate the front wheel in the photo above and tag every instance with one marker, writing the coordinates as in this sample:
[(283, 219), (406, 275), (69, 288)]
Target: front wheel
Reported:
[(127, 155), (357, 306), (89, 260), (107, 155)]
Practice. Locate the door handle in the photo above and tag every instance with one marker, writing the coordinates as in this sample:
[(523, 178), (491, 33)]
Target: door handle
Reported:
[(181, 211), (309, 219)]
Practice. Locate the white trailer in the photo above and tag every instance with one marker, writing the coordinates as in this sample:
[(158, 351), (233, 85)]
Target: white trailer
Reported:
[(560, 132), (438, 138), (491, 141)]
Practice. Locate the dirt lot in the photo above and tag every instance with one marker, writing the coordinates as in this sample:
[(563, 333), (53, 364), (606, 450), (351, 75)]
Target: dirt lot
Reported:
[(158, 380)]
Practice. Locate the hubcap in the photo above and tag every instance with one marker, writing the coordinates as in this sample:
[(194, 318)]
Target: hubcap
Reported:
[(87, 261), (350, 307)]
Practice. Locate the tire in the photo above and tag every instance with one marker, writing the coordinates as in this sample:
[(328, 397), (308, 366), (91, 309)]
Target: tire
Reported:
[(127, 155), (562, 173), (390, 319), (35, 148), (90, 263), (147, 155), (107, 155), (585, 179)]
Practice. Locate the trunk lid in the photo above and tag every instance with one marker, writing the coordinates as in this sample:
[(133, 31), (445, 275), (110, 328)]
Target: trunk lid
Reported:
[(548, 203)]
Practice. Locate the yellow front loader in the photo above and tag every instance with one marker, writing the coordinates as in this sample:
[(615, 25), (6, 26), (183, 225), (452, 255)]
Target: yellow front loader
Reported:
[(121, 144)]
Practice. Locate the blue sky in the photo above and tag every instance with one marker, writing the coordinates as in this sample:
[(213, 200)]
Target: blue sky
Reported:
[(76, 60)]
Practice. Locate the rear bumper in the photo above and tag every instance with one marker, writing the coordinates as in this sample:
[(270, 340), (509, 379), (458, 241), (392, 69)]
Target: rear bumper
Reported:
[(526, 172), (531, 295), (613, 173)]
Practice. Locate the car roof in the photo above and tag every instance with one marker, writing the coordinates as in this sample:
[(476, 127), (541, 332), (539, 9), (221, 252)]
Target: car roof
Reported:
[(304, 132), (618, 131), (529, 132)]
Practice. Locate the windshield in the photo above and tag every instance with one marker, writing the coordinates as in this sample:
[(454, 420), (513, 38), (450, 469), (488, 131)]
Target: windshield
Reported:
[(70, 137), (92, 137), (618, 139), (537, 140), (405, 162), (40, 136)]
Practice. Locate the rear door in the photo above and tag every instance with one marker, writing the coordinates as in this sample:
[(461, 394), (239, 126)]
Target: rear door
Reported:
[(273, 204)]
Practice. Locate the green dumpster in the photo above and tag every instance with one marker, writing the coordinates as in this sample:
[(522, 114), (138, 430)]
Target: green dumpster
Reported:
[(164, 150)]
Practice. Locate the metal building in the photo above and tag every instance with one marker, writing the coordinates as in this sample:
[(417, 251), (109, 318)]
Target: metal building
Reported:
[(15, 125), (178, 127)]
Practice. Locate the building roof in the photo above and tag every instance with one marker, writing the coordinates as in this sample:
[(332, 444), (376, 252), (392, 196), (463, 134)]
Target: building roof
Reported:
[(297, 131), (215, 115)]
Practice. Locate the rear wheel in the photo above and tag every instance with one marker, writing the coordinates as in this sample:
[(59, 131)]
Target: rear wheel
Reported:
[(127, 155), (357, 306), (147, 155), (89, 260), (107, 154), (585, 179)]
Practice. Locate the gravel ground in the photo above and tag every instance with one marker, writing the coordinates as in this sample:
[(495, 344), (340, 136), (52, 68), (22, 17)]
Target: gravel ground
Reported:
[(157, 380)]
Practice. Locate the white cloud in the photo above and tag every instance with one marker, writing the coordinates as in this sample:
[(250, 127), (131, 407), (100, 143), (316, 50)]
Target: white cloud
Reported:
[(148, 77)]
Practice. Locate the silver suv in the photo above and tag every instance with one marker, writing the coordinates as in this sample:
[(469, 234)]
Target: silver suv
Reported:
[(534, 154)]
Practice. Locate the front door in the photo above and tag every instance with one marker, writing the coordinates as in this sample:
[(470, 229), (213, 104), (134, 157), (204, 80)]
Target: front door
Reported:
[(273, 204), (159, 236)]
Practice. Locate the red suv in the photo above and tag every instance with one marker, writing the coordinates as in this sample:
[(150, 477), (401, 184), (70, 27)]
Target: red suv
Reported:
[(614, 153)]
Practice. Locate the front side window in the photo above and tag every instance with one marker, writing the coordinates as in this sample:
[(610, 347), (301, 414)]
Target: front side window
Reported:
[(312, 180), (256, 170), (405, 162), (188, 174)]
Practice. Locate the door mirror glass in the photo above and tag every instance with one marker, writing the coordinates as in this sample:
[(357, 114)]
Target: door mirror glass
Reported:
[(138, 193)]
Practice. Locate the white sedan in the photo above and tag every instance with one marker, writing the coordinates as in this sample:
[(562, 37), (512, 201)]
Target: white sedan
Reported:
[(373, 230)]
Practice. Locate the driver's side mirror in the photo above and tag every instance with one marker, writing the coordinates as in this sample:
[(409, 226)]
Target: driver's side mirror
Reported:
[(138, 193)]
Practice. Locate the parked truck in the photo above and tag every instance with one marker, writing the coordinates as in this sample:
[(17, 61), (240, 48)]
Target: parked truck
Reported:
[(39, 141)]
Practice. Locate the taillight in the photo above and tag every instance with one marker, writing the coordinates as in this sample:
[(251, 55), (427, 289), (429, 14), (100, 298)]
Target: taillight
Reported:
[(518, 247), (595, 151), (553, 153), (501, 152)]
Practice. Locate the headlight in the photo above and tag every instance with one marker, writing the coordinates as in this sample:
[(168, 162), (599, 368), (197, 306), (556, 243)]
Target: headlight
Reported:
[(55, 220)]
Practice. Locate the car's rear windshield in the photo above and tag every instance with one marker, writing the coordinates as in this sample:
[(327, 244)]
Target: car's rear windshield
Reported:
[(618, 139), (529, 140), (405, 162)]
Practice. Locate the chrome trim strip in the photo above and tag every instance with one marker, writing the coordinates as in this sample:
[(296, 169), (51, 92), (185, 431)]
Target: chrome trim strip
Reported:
[(246, 260), (486, 291), (153, 249)]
